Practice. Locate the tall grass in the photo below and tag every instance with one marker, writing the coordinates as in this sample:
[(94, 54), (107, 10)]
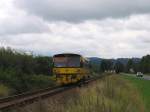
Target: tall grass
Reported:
[(143, 87), (4, 90), (111, 94)]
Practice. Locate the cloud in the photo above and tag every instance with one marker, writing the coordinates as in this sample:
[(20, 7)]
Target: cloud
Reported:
[(25, 24), (80, 10), (107, 29), (109, 38), (14, 21)]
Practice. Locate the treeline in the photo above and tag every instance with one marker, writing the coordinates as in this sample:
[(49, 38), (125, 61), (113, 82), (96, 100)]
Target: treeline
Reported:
[(22, 72), (132, 66), (24, 63)]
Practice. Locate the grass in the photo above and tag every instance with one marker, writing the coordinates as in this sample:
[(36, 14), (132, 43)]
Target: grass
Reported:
[(143, 87), (110, 94), (4, 90)]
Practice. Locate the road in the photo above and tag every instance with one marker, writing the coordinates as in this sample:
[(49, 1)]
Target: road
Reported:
[(145, 77)]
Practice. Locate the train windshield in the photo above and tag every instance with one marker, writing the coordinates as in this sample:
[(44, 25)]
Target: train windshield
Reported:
[(67, 61)]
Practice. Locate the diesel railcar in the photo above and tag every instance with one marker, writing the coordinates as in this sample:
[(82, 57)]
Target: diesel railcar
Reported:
[(70, 68)]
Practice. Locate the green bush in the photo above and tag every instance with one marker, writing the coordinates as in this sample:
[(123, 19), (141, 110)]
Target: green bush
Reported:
[(20, 82), (22, 62), (4, 90), (22, 72)]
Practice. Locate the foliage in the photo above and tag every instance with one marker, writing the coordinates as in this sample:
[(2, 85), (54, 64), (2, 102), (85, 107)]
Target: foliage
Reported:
[(24, 63), (4, 90), (129, 65), (119, 67), (133, 65), (95, 67), (106, 65), (145, 64), (43, 65), (142, 66), (20, 82), (22, 72)]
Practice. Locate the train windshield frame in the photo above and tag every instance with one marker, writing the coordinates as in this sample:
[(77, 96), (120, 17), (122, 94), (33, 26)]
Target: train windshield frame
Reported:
[(72, 61)]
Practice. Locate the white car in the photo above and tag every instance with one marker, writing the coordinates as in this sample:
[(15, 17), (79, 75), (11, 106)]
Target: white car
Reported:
[(139, 74)]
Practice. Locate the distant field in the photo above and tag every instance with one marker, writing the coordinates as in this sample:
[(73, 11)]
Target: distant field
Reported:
[(144, 88)]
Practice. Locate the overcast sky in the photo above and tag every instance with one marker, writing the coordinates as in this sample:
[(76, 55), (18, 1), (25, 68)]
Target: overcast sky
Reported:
[(102, 28)]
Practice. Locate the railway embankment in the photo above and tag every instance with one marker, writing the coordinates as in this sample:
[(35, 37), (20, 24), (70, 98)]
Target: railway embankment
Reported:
[(112, 93)]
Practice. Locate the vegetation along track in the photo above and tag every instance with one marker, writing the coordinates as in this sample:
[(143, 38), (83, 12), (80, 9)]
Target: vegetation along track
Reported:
[(26, 98)]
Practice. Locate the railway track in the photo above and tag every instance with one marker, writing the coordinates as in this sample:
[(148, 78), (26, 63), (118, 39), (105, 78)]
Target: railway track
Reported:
[(30, 97)]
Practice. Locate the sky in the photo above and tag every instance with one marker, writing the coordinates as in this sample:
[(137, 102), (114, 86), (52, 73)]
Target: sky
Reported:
[(93, 28)]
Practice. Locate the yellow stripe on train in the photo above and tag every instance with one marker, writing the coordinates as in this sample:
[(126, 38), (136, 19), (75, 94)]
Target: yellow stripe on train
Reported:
[(69, 70)]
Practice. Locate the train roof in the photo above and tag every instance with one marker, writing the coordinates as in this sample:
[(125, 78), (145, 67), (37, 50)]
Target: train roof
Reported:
[(66, 54)]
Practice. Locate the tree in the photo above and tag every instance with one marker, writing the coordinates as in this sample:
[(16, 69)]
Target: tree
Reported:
[(43, 65), (145, 64), (106, 65), (119, 67), (129, 65), (24, 63)]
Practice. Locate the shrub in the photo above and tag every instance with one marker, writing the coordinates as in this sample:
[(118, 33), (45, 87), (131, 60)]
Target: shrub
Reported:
[(20, 82), (4, 90)]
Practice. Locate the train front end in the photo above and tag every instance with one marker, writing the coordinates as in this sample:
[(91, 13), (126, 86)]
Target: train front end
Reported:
[(68, 68)]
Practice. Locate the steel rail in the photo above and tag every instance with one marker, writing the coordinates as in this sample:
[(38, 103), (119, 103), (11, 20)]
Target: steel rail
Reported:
[(27, 97)]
